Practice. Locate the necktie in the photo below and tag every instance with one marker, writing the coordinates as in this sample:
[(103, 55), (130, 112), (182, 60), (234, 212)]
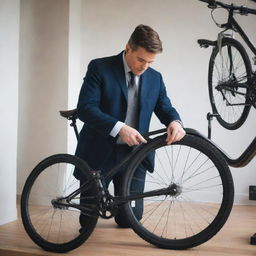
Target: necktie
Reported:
[(132, 104), (132, 80)]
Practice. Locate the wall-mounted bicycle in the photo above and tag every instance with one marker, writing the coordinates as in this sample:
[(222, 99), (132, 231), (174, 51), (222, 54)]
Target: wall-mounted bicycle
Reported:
[(231, 81)]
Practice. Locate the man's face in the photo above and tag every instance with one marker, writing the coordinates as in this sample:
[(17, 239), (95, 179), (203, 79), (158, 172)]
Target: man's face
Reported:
[(138, 60)]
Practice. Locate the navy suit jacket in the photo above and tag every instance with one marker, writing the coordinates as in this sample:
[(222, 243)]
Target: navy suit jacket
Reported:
[(103, 101)]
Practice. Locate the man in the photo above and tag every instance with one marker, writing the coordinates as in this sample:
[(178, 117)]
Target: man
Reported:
[(116, 102)]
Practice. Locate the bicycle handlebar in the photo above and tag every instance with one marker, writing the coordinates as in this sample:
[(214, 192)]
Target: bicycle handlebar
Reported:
[(242, 9)]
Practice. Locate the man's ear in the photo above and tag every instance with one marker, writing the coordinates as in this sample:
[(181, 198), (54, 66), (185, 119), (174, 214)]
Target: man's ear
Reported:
[(127, 48)]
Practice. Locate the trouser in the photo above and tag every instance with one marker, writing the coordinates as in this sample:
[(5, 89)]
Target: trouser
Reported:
[(137, 185)]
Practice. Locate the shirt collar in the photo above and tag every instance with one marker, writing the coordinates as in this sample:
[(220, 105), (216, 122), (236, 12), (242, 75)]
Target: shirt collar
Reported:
[(126, 67), (127, 70)]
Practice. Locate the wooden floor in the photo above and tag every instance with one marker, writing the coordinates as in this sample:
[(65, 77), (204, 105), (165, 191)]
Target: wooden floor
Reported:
[(107, 240)]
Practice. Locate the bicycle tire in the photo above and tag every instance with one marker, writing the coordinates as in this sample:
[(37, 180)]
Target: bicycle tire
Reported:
[(56, 228), (222, 100), (191, 216)]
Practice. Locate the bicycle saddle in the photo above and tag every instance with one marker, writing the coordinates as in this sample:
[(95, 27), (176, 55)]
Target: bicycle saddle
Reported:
[(205, 43), (69, 114)]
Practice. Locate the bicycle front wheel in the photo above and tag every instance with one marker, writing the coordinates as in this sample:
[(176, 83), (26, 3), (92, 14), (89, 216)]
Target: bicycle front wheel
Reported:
[(186, 199), (51, 206), (228, 81)]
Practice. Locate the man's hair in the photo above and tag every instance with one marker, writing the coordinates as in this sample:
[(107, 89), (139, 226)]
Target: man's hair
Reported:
[(147, 38)]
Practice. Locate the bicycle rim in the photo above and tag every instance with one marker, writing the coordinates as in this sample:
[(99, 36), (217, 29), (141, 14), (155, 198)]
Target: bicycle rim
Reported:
[(229, 73), (56, 227), (199, 197)]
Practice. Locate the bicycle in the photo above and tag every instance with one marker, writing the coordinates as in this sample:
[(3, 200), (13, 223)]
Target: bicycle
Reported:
[(186, 200), (231, 80)]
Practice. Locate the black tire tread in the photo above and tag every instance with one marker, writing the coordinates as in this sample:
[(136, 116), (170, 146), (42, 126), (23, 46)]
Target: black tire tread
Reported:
[(65, 247), (234, 43), (216, 225)]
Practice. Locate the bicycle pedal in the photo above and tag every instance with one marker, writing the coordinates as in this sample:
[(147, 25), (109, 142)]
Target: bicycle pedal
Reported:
[(253, 239)]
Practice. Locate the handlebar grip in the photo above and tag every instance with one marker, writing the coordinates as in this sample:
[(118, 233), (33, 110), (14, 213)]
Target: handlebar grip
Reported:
[(252, 11), (211, 3), (245, 10)]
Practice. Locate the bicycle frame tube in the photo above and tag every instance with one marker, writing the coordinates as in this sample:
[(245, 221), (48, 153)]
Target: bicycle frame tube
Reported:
[(233, 24), (241, 161), (115, 169), (156, 192)]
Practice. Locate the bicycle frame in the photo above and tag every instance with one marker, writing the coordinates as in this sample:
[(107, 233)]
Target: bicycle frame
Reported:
[(233, 25), (114, 170), (240, 161), (108, 202)]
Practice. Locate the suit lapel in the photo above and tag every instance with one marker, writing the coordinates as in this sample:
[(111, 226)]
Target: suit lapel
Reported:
[(144, 88), (144, 84), (120, 74), (144, 93)]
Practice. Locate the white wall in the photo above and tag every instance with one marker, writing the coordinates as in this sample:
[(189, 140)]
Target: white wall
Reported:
[(58, 40), (74, 56), (9, 45), (43, 84), (105, 28)]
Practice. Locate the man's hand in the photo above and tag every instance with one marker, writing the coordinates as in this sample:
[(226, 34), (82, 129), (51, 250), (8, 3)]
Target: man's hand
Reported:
[(175, 132), (131, 136)]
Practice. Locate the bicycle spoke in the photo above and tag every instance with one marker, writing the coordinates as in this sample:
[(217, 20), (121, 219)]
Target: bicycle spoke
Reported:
[(53, 219), (192, 193), (227, 80)]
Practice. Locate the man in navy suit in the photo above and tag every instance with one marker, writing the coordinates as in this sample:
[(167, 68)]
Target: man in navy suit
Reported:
[(114, 120)]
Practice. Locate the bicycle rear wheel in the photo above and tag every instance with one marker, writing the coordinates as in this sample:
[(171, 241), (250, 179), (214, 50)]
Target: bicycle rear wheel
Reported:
[(52, 218), (228, 81), (188, 197)]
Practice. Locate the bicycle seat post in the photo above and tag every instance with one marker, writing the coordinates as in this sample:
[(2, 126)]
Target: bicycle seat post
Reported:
[(73, 124)]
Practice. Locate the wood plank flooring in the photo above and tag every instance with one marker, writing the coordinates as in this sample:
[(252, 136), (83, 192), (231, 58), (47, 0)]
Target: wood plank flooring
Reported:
[(107, 240)]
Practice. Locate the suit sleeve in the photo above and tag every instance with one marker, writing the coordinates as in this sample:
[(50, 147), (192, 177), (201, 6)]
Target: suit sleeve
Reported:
[(89, 109), (164, 110)]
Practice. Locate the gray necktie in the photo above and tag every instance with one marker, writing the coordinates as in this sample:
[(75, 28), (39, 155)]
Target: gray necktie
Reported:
[(132, 104)]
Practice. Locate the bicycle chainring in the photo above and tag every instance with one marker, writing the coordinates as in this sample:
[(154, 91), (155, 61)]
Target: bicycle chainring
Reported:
[(107, 208)]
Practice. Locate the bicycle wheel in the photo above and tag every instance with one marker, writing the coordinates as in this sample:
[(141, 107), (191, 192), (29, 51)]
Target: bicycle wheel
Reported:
[(187, 198), (228, 81), (50, 208)]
